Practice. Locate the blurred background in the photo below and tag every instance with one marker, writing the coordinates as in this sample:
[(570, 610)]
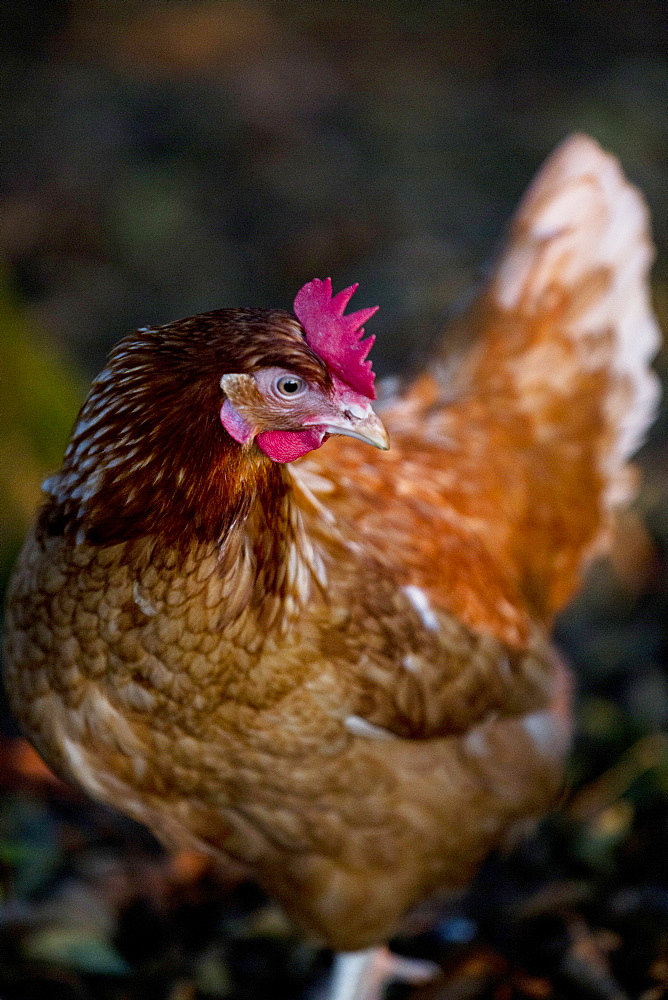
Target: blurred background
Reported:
[(162, 159)]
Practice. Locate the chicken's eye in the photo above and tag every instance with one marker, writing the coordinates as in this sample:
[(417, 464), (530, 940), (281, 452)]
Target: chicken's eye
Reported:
[(290, 385)]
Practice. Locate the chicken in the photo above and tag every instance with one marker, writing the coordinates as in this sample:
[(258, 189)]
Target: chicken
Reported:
[(338, 672)]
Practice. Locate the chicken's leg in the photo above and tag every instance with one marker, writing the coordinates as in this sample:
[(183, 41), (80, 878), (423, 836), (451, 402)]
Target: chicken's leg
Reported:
[(363, 975)]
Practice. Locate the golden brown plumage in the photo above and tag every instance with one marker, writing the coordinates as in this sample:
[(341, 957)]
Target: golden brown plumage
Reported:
[(338, 672)]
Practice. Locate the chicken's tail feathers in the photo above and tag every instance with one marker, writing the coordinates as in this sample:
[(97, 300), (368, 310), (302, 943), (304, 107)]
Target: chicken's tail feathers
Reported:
[(573, 280), (539, 422)]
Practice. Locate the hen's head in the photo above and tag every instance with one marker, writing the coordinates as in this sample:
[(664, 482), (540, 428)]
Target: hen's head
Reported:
[(189, 420), (289, 409)]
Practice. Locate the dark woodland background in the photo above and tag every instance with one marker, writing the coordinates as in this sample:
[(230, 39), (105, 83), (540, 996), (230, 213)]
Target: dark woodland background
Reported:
[(161, 159)]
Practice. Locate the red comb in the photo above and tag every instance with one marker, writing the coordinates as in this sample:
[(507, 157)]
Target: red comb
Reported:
[(336, 338)]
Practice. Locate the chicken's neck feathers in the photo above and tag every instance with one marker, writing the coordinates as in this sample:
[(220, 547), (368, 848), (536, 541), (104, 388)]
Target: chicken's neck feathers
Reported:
[(268, 558), (148, 455)]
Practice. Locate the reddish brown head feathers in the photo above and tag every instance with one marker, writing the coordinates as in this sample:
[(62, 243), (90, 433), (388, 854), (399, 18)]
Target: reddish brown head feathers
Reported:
[(148, 454)]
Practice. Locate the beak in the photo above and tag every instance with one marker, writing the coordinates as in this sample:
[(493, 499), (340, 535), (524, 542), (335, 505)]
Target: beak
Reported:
[(368, 428)]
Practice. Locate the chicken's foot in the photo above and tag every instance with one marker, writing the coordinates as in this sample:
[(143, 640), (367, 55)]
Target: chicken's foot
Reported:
[(363, 975)]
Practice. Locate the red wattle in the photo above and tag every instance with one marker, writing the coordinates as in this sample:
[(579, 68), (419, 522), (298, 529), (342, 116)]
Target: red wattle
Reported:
[(286, 446)]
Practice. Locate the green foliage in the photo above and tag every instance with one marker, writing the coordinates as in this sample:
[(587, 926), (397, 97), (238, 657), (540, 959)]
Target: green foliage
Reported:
[(29, 847), (38, 403), (75, 948)]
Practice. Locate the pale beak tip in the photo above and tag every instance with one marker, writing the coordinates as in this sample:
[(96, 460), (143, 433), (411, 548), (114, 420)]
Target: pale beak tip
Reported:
[(370, 429), (374, 431)]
